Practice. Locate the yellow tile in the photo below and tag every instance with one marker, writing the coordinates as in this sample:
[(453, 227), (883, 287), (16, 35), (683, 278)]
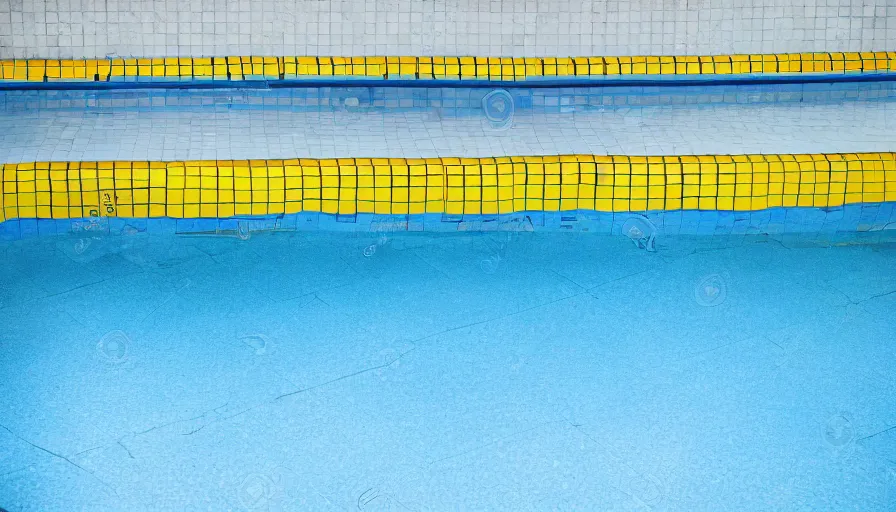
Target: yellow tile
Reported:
[(603, 205), (620, 205)]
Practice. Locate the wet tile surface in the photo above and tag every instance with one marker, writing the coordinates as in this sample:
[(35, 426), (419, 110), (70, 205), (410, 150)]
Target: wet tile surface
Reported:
[(424, 123)]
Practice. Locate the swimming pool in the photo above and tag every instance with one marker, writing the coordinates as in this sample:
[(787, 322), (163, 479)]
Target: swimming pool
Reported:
[(449, 298), (431, 122)]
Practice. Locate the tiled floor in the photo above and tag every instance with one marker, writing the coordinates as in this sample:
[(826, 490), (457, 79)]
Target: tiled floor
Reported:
[(412, 123), (466, 372)]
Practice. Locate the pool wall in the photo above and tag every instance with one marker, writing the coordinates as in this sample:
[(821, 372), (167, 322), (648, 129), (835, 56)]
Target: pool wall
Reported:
[(865, 223), (585, 192), (220, 71), (453, 186)]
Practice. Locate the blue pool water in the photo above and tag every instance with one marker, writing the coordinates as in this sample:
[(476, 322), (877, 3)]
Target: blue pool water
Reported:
[(483, 371), (719, 361)]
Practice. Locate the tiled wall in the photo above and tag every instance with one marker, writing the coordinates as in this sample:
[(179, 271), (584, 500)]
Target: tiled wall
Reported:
[(715, 195), (448, 68), (453, 186), (153, 28), (437, 68)]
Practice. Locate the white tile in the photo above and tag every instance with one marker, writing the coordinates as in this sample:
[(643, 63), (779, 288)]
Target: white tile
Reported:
[(37, 126), (417, 27)]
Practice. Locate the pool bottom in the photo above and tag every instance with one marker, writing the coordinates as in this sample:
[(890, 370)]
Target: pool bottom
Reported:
[(535, 371), (868, 222)]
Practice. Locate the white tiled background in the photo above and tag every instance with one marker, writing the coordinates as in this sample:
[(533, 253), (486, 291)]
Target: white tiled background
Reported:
[(100, 28)]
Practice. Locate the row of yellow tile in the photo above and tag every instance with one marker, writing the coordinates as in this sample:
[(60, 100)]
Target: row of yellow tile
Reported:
[(504, 68), (448, 185)]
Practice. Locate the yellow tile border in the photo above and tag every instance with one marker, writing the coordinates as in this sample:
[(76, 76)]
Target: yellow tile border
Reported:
[(437, 68), (219, 189)]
